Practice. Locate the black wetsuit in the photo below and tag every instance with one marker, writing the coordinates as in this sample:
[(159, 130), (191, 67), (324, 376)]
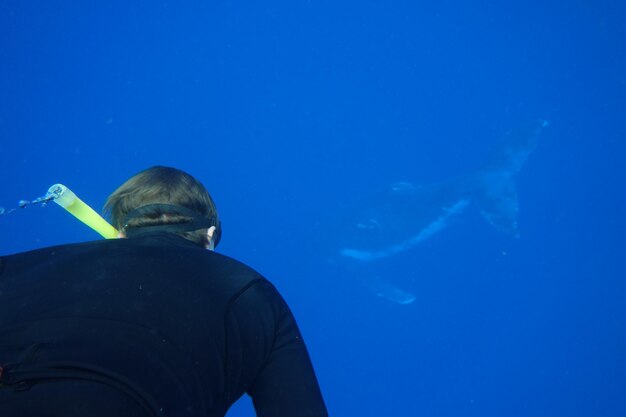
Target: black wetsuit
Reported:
[(147, 326)]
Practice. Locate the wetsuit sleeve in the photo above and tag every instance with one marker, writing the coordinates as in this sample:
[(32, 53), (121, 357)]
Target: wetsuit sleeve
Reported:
[(285, 385)]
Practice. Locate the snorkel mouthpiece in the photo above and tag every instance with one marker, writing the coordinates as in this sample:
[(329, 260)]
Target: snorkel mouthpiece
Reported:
[(64, 197)]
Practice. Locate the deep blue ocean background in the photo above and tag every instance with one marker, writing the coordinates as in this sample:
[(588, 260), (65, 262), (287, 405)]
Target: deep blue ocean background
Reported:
[(292, 112)]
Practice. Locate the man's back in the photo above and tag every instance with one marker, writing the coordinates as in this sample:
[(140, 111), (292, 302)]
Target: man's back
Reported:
[(153, 323)]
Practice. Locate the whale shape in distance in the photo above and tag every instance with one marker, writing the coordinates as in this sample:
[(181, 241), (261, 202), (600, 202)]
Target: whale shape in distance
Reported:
[(405, 215)]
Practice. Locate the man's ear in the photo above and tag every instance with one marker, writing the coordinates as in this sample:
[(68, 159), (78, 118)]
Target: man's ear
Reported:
[(209, 235)]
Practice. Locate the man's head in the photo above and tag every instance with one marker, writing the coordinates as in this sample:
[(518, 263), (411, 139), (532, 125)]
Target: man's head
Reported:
[(147, 200)]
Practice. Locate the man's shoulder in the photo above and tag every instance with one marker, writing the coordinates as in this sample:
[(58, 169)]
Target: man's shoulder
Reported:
[(48, 253), (148, 254)]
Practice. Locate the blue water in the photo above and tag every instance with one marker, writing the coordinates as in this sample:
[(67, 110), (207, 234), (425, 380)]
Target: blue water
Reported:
[(291, 112)]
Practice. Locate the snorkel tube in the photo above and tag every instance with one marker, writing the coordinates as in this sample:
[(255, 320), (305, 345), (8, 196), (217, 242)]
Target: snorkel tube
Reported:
[(64, 197)]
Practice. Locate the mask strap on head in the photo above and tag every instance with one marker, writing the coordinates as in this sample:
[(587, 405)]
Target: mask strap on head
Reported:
[(198, 221)]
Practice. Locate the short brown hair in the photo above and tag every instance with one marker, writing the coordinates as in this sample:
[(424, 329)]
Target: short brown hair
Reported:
[(163, 185)]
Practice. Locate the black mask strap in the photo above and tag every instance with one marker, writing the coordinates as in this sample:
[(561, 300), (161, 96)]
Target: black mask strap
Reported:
[(198, 221)]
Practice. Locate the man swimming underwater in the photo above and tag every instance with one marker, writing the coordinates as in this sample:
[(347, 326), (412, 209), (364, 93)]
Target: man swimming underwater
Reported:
[(150, 325)]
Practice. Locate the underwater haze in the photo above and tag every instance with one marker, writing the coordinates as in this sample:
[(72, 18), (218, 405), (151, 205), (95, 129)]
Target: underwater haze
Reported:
[(436, 188)]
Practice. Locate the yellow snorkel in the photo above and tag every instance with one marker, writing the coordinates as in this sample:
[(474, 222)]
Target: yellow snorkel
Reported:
[(64, 197)]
